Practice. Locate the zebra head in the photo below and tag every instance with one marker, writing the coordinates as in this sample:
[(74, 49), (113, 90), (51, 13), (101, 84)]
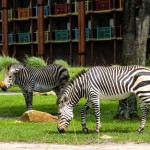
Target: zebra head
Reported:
[(9, 78), (65, 114)]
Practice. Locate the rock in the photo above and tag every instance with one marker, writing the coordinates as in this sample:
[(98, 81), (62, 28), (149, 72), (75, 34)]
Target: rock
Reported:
[(51, 93), (37, 116), (45, 93), (106, 137)]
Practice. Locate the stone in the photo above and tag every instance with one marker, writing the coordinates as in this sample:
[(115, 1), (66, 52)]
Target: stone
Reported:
[(45, 93), (37, 116)]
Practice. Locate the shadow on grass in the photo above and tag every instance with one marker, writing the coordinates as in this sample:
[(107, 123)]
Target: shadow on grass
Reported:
[(16, 111), (67, 132), (102, 131)]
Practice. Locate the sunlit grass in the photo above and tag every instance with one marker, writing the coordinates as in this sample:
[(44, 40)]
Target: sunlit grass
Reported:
[(12, 107)]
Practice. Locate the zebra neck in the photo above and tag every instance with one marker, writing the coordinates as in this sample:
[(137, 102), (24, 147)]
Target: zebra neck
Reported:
[(76, 92)]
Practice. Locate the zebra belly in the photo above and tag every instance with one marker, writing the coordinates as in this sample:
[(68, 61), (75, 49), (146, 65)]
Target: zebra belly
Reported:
[(42, 88), (115, 97)]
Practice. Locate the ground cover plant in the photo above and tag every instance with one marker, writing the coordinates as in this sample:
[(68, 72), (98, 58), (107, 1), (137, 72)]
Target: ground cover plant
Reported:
[(13, 106)]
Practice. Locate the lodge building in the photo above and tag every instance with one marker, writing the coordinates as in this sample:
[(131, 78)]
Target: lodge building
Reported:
[(81, 32)]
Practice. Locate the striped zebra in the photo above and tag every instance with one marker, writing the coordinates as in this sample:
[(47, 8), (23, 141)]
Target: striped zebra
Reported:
[(107, 83), (36, 79)]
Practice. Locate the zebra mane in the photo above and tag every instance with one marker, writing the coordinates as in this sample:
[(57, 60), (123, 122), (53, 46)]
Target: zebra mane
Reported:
[(77, 75), (20, 65), (74, 78), (61, 95)]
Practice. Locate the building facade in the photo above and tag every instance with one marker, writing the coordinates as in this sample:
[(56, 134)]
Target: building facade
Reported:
[(81, 34)]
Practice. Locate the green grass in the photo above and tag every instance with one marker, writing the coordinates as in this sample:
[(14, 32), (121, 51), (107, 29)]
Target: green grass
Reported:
[(12, 107)]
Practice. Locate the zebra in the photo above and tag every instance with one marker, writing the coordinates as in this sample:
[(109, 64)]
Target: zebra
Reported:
[(36, 79), (104, 83)]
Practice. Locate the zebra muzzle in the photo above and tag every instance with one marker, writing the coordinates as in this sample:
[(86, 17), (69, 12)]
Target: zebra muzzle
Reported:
[(3, 86), (61, 130)]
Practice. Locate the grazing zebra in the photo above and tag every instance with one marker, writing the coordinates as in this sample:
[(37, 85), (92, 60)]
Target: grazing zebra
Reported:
[(39, 79), (108, 83)]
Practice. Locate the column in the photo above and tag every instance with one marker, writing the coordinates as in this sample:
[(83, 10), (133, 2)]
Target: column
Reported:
[(5, 27), (82, 38), (40, 23)]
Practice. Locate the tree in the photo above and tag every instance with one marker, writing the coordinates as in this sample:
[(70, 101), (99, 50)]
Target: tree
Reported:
[(142, 27), (135, 30)]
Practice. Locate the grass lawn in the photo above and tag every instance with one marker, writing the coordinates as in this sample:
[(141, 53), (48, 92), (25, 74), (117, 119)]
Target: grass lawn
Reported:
[(12, 108)]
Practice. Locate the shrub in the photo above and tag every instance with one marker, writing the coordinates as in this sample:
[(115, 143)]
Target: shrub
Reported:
[(61, 62), (6, 61), (34, 61)]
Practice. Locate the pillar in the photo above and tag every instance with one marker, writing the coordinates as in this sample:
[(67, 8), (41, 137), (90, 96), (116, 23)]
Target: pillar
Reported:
[(82, 38), (40, 23), (5, 27)]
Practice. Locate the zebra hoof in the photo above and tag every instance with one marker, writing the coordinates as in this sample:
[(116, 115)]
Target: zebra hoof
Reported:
[(85, 130), (137, 132), (95, 132)]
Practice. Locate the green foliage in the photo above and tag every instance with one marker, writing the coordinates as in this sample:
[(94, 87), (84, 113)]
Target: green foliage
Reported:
[(73, 71), (61, 62), (34, 61), (2, 75), (6, 61)]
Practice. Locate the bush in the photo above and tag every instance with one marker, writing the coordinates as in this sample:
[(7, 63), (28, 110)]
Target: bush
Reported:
[(61, 62), (34, 61), (6, 61)]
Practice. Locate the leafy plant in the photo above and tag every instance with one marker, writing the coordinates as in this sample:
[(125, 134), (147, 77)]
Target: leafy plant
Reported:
[(6, 61), (34, 61), (61, 62)]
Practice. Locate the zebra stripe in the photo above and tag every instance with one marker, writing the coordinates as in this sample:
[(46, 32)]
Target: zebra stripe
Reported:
[(39, 79), (104, 83)]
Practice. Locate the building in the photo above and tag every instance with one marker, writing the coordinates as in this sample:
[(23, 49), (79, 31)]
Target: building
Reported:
[(51, 29)]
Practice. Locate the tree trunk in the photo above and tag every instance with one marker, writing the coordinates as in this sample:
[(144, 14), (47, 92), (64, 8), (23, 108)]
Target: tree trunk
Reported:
[(142, 27), (127, 109), (135, 30), (129, 31)]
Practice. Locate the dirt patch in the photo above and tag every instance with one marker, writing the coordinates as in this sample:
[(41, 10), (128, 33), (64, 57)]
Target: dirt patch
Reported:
[(44, 146)]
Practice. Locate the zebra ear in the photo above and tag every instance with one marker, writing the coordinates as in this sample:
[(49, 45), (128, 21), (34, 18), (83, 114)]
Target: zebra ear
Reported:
[(65, 99), (62, 100), (17, 69)]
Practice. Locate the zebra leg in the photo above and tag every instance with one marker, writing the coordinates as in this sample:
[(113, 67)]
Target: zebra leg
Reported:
[(96, 107), (144, 110), (56, 90), (83, 115), (28, 99)]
